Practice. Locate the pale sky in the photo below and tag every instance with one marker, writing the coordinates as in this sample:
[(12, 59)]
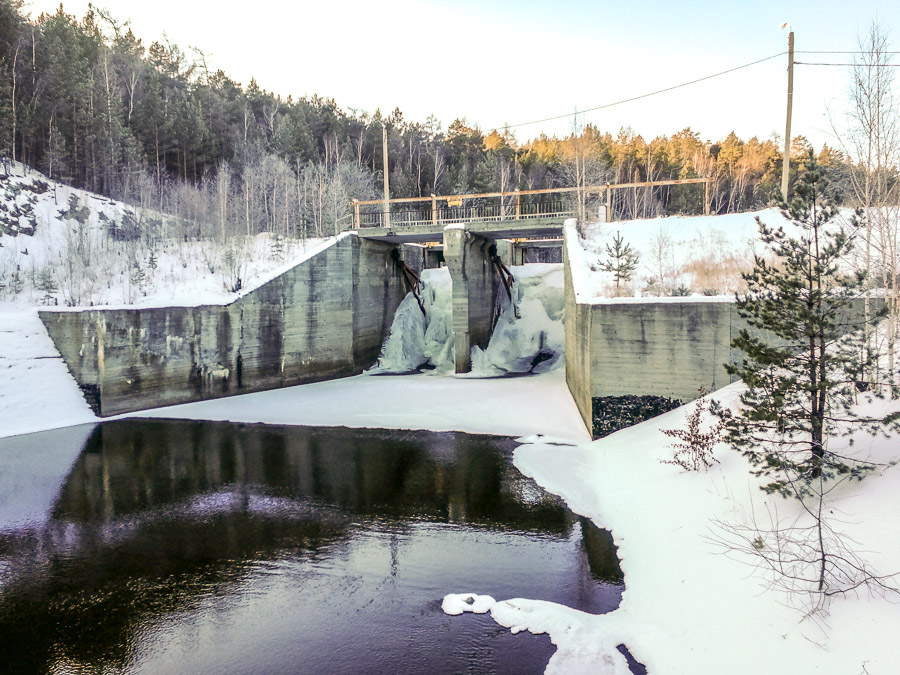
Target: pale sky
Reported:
[(512, 61)]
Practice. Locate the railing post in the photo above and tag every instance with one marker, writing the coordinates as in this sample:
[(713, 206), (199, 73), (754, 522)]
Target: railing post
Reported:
[(434, 214), (706, 198), (608, 203), (355, 213), (518, 205)]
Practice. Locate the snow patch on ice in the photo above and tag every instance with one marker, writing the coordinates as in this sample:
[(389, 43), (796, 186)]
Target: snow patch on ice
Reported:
[(455, 604), (586, 643)]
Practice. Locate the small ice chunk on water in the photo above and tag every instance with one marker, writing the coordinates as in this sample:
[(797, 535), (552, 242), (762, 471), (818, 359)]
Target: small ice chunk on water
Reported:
[(455, 604)]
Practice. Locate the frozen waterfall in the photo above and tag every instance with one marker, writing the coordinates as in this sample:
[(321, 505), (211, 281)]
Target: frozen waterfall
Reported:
[(528, 336)]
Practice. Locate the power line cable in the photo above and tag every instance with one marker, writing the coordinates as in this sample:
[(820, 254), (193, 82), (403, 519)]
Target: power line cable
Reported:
[(809, 51), (637, 98), (850, 65)]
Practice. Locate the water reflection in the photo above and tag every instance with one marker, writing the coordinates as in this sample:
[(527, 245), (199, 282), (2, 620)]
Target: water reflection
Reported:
[(210, 547)]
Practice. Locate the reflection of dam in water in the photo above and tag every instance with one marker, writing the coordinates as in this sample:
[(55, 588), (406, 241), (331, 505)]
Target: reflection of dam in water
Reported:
[(325, 546)]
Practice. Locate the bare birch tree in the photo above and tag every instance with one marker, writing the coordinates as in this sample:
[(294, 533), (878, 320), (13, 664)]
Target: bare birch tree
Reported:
[(872, 142)]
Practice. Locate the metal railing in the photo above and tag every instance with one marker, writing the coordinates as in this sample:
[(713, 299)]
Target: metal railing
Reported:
[(448, 215), (440, 210)]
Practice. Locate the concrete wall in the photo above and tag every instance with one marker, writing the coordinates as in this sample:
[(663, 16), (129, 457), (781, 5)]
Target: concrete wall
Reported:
[(660, 348), (631, 359), (578, 346), (325, 318), (418, 257), (640, 359), (475, 283)]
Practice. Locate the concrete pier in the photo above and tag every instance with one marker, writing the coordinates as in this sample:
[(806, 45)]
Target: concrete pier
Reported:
[(475, 283)]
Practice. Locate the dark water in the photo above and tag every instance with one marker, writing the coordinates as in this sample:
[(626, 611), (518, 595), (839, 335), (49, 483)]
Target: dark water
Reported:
[(205, 547)]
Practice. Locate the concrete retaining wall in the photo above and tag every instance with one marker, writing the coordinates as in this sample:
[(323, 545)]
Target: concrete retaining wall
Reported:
[(325, 318), (628, 361), (636, 360), (631, 359)]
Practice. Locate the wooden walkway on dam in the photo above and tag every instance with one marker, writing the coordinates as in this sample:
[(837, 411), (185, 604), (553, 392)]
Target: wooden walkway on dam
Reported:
[(518, 214)]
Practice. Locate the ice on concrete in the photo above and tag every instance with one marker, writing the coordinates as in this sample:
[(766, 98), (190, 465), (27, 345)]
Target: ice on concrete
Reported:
[(416, 340), (528, 337)]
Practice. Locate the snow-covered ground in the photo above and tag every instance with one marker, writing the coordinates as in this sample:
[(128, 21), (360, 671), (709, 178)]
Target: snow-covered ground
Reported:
[(37, 392), (688, 607), (690, 255)]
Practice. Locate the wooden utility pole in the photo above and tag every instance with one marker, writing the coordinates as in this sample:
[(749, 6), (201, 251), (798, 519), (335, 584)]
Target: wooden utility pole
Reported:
[(387, 190), (786, 161)]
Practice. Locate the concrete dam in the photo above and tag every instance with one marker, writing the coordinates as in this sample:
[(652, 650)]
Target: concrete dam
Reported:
[(327, 317)]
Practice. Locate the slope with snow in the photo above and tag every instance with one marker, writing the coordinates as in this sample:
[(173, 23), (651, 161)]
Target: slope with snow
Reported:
[(64, 247), (695, 255)]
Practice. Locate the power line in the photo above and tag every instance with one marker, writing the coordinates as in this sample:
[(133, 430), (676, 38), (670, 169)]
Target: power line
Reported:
[(807, 51), (850, 65), (637, 98)]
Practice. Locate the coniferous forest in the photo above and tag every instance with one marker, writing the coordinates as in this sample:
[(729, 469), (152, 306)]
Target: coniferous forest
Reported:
[(86, 102)]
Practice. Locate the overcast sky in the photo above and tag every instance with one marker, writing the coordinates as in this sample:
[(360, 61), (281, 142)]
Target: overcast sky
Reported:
[(513, 61)]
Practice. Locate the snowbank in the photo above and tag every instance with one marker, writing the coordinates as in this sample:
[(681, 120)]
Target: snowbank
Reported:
[(585, 643), (37, 392)]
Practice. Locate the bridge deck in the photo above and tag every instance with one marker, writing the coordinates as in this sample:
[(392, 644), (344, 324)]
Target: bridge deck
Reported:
[(490, 229)]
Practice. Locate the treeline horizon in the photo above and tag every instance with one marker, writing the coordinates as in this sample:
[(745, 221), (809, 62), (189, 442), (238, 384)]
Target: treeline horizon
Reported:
[(87, 103)]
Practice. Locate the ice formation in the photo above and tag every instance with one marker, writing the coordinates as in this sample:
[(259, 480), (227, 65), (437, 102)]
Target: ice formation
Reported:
[(528, 336), (416, 340)]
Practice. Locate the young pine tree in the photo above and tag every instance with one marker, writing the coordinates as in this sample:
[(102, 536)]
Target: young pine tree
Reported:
[(804, 367), (622, 261)]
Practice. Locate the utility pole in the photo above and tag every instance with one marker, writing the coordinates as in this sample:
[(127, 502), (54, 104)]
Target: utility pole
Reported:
[(786, 161), (387, 192)]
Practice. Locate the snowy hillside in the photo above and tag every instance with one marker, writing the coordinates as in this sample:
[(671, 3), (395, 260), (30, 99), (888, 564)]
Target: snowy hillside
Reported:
[(64, 247)]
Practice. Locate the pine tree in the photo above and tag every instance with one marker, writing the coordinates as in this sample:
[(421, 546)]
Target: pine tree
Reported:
[(277, 247), (805, 367), (46, 283), (622, 261)]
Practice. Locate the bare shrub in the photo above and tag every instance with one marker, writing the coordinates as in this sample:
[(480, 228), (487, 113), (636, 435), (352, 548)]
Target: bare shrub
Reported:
[(694, 452), (810, 558)]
